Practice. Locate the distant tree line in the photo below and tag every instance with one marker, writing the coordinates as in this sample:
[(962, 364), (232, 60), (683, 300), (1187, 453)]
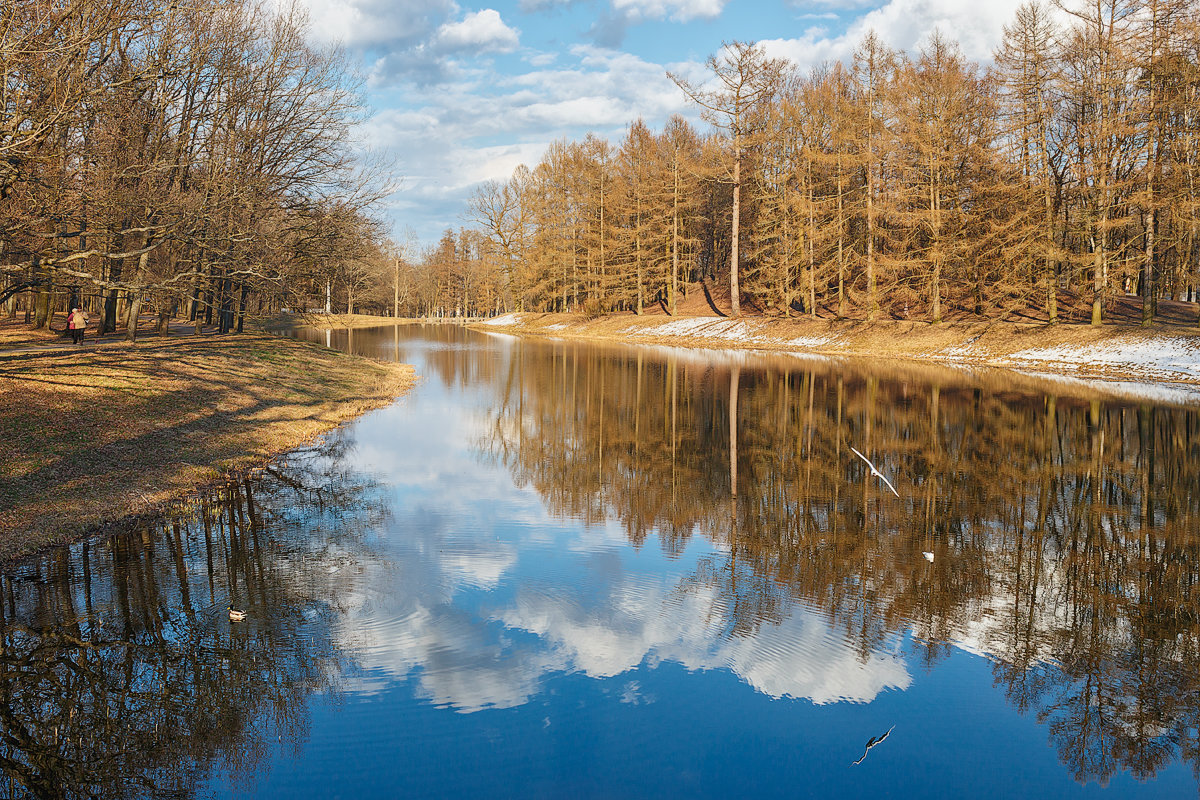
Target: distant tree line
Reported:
[(459, 276), (199, 159), (897, 185), (189, 157)]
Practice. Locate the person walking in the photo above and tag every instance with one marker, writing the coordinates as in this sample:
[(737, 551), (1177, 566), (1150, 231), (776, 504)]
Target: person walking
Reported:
[(77, 324)]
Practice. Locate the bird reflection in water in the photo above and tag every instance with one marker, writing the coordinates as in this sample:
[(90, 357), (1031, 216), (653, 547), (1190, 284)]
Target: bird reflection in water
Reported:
[(871, 743)]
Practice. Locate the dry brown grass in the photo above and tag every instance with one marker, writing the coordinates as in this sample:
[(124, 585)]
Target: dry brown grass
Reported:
[(96, 434), (288, 321), (15, 333)]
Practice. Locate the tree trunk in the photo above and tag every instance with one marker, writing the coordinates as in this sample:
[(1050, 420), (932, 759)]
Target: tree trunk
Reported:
[(241, 313), (872, 299), (734, 299), (734, 377), (637, 246), (675, 237), (812, 252), (936, 249), (1148, 287), (135, 300), (841, 258), (44, 296)]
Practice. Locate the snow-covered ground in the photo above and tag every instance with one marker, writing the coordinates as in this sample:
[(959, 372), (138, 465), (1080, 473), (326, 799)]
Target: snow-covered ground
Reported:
[(1165, 358), (504, 319), (704, 327), (1175, 359)]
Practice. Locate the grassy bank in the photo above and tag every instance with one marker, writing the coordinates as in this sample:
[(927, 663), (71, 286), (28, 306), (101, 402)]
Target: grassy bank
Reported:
[(1110, 351), (96, 434), (335, 321)]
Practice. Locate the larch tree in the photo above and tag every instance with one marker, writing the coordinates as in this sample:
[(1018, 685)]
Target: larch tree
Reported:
[(780, 228), (635, 164), (873, 69), (940, 132), (1025, 73), (1157, 42), (681, 148), (1100, 71), (746, 82)]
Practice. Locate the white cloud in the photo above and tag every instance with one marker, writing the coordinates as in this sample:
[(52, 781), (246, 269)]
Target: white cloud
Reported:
[(543, 5), (905, 25), (677, 10), (634, 618), (369, 23), (841, 5), (640, 623), (452, 136), (541, 59), (484, 31)]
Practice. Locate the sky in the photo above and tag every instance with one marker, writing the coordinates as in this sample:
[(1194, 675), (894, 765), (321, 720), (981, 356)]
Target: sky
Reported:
[(464, 93)]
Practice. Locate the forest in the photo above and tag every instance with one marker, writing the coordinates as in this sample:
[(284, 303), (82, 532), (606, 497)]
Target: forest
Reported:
[(194, 158), (909, 186), (201, 161)]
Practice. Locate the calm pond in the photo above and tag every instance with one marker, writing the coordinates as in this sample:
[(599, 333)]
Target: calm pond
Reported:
[(562, 569)]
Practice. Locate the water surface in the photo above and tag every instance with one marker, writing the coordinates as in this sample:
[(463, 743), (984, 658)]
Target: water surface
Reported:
[(560, 569)]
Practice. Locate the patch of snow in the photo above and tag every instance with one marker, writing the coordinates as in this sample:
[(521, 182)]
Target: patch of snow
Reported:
[(811, 342), (676, 327), (703, 327), (739, 332), (1165, 357), (506, 319)]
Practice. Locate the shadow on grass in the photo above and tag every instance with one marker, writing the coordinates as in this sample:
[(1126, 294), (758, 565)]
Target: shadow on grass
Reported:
[(91, 439)]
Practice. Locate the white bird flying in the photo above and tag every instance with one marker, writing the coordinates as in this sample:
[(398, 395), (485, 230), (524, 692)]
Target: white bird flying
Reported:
[(874, 471)]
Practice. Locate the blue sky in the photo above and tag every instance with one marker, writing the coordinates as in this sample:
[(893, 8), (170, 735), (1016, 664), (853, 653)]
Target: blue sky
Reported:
[(462, 93)]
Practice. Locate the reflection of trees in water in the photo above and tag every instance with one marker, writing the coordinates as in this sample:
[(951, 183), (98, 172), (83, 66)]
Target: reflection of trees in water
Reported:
[(120, 675), (1064, 531)]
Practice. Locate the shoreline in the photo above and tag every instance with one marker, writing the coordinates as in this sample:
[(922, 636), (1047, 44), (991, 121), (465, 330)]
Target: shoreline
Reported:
[(98, 437), (1079, 352)]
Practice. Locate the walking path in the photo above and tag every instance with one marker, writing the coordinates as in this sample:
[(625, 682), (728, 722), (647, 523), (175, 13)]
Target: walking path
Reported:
[(92, 340)]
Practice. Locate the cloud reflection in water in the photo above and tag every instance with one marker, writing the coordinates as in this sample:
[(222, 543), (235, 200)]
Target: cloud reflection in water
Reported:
[(457, 624)]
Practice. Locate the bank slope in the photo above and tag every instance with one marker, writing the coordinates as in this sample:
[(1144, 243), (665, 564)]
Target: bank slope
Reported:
[(1165, 355), (93, 435)]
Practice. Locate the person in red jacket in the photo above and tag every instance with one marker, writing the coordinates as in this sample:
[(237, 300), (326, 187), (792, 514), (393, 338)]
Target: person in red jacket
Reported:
[(77, 324)]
